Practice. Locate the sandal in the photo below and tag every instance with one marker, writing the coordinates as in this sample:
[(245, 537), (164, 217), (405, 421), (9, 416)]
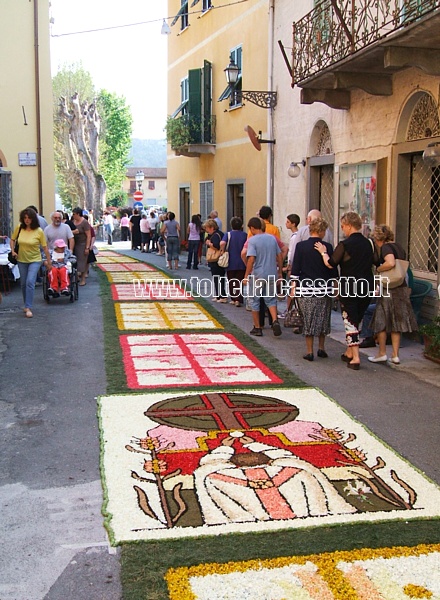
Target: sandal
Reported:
[(28, 313), (82, 283)]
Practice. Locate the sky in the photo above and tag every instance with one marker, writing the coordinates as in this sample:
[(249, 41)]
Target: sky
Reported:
[(128, 61)]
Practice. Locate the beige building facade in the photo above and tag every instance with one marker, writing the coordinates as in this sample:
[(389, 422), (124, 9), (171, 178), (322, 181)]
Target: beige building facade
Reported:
[(153, 185), (361, 120), (216, 167), (26, 123)]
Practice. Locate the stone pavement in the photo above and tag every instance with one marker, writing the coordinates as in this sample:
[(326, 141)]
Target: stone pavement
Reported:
[(54, 545)]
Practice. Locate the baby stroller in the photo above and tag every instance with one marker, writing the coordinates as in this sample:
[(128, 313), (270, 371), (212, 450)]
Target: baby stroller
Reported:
[(73, 286)]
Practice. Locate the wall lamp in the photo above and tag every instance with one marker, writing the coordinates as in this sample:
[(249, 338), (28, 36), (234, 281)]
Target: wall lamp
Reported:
[(261, 99), (431, 155), (294, 169)]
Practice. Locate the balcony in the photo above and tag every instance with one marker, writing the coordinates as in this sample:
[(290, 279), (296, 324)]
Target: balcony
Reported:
[(347, 44), (191, 136)]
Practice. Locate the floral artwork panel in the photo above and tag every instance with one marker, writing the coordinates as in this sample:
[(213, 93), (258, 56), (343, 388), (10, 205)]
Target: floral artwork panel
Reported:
[(190, 463), (114, 267), (163, 315), (136, 276), (396, 573), (157, 290), (190, 359)]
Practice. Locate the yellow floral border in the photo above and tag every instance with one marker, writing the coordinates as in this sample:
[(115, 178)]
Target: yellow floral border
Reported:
[(163, 309), (179, 586)]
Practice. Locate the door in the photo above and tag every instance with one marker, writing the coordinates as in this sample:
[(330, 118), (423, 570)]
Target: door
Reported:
[(5, 203), (184, 211), (235, 200)]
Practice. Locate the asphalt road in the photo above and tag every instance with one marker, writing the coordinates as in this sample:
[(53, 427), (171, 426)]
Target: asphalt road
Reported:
[(53, 544)]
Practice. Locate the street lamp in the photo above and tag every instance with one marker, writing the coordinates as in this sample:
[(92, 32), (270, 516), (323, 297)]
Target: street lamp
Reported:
[(261, 99), (140, 176)]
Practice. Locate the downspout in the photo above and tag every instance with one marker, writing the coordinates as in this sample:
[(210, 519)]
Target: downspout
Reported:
[(38, 108), (270, 152)]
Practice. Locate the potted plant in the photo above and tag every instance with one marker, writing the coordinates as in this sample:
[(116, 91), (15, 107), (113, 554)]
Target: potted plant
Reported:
[(177, 132), (431, 335)]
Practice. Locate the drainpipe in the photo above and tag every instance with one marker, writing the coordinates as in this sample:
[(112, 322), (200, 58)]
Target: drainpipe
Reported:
[(38, 108), (270, 153)]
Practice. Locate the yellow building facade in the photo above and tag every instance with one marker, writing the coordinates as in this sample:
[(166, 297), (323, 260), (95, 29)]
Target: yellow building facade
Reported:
[(26, 123), (217, 167)]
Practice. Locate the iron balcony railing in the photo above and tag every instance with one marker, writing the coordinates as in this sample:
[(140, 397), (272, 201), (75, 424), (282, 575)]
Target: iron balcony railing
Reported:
[(336, 29)]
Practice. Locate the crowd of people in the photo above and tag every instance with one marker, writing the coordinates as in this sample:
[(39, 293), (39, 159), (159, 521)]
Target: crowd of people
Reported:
[(307, 269)]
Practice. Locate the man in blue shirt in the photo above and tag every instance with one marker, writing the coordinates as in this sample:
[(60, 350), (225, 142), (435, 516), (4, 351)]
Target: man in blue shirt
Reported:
[(265, 262)]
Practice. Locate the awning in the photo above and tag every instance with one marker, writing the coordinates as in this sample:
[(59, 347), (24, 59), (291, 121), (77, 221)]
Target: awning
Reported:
[(183, 10), (179, 109), (227, 92)]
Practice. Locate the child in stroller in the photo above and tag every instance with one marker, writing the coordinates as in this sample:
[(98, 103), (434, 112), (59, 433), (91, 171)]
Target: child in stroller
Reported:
[(58, 277)]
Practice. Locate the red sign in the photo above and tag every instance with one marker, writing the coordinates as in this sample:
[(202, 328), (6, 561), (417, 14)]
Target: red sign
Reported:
[(138, 196)]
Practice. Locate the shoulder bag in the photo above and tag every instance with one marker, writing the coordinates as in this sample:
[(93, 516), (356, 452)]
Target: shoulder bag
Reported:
[(396, 276), (293, 317), (213, 254), (223, 261), (11, 258)]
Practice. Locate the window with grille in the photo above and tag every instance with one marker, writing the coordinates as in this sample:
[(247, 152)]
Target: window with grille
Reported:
[(424, 217), (326, 193), (206, 198)]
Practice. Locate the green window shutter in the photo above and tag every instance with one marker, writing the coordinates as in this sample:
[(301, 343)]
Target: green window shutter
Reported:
[(207, 102), (195, 105)]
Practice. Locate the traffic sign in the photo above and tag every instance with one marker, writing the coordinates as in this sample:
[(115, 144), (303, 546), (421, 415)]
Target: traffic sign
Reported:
[(137, 196)]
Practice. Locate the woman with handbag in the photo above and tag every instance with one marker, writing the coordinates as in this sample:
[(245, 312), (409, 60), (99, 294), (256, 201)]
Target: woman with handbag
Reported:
[(213, 253), (233, 243), (26, 241), (394, 313), (313, 288)]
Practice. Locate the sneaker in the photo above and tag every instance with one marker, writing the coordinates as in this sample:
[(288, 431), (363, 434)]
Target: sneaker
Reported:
[(256, 331), (368, 342), (50, 292), (65, 292), (276, 328)]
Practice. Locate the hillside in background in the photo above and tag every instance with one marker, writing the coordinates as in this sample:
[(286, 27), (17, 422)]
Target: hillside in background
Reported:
[(148, 153)]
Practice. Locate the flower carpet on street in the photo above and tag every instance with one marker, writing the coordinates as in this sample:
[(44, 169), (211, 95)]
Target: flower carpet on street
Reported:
[(398, 573), (117, 266), (163, 315), (235, 480), (223, 461), (156, 290), (177, 360), (138, 276)]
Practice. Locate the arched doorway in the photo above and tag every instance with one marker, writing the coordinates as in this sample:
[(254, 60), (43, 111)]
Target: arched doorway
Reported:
[(321, 173)]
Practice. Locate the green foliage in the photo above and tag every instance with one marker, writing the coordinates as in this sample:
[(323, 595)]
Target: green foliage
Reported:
[(70, 79), (114, 141), (432, 333), (178, 132), (117, 124)]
